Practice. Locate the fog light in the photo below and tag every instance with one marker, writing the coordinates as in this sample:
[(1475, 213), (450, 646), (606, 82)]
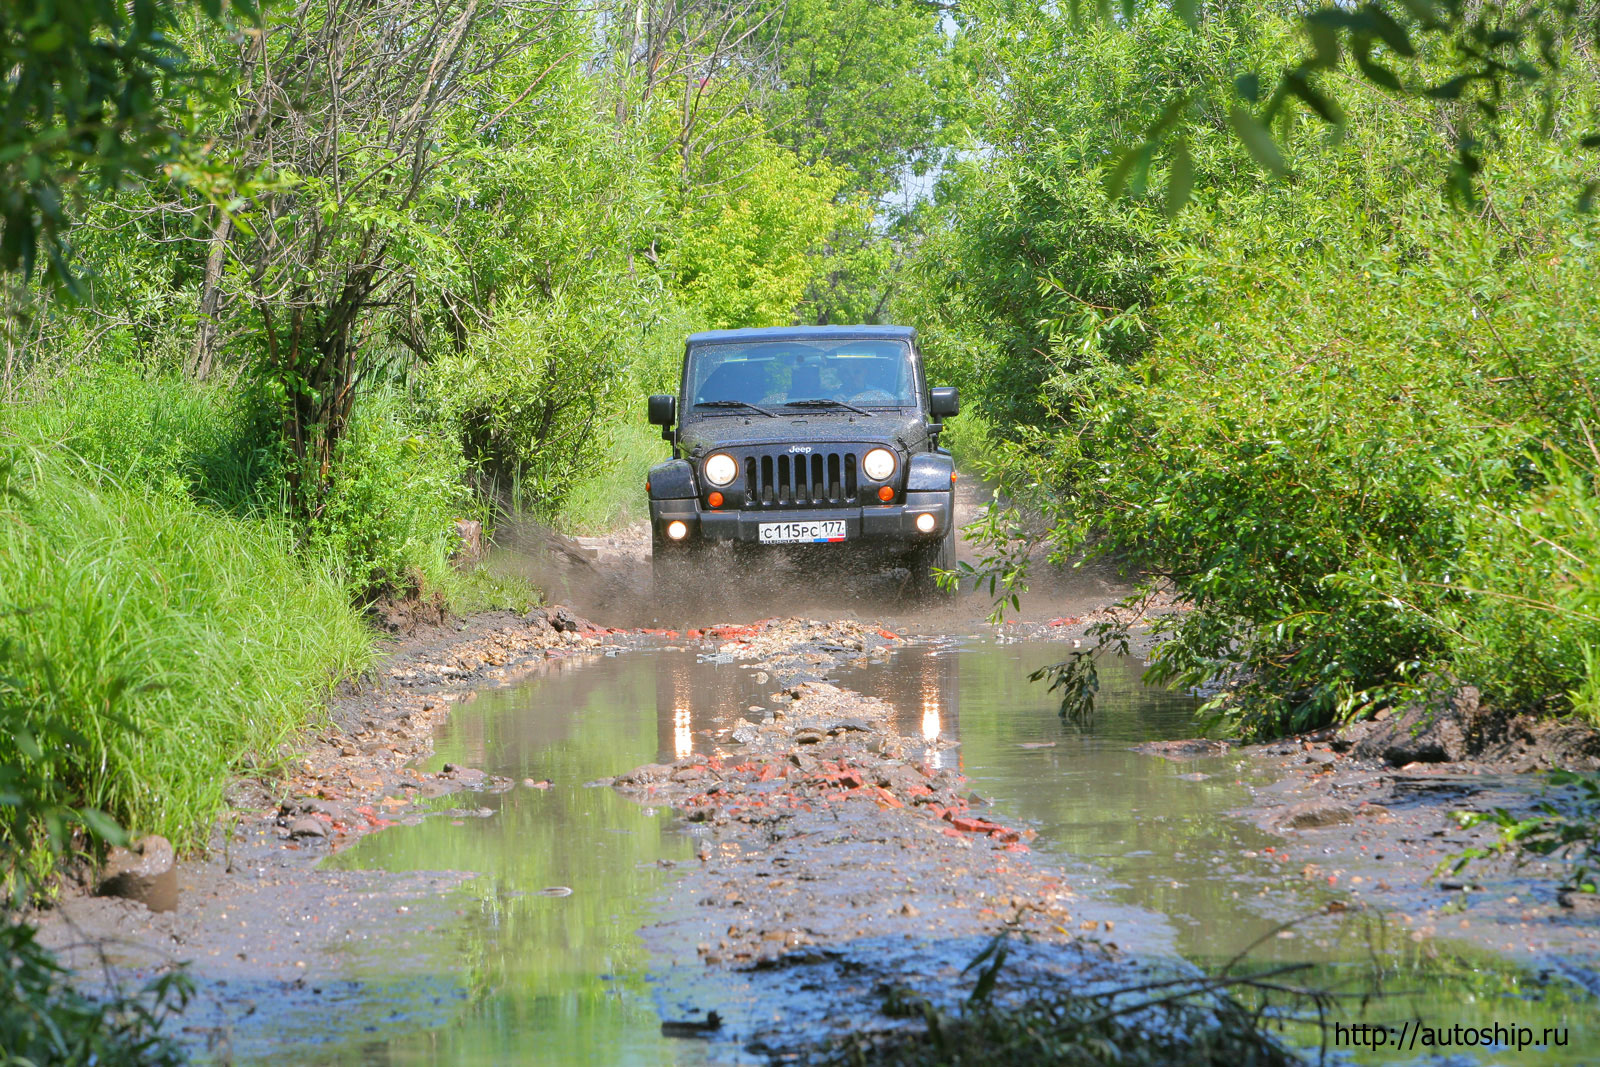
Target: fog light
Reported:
[(677, 530), (886, 493), (925, 523), (715, 500)]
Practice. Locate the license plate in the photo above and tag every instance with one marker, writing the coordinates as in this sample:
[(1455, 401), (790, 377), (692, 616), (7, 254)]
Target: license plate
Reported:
[(791, 533)]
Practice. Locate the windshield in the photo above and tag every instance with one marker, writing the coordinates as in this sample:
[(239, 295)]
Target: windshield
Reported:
[(860, 373)]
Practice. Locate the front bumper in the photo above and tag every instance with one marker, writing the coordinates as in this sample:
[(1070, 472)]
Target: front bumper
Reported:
[(879, 523)]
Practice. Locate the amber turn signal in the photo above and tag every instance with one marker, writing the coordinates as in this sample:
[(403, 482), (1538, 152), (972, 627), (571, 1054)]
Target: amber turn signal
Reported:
[(647, 485), (715, 500), (952, 477), (886, 493)]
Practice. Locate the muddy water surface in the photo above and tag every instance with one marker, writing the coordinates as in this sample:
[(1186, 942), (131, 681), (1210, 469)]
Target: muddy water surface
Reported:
[(513, 968)]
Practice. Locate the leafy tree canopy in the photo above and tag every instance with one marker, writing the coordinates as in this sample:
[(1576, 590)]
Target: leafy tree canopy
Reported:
[(84, 94)]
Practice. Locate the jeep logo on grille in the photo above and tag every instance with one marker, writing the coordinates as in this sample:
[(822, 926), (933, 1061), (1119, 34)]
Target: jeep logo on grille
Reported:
[(799, 448)]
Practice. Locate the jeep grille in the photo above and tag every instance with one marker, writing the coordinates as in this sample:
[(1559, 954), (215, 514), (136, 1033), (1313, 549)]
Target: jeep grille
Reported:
[(799, 479)]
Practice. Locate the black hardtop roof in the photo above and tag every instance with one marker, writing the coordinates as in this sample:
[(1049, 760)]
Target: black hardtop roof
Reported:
[(803, 333)]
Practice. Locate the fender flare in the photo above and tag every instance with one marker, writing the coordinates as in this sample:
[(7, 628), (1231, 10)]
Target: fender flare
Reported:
[(672, 480), (930, 472)]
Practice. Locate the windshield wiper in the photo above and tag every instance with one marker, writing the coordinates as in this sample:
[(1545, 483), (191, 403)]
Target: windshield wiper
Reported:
[(736, 404), (820, 402)]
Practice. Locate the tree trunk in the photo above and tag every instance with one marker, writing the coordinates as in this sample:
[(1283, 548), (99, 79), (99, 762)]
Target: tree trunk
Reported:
[(203, 357)]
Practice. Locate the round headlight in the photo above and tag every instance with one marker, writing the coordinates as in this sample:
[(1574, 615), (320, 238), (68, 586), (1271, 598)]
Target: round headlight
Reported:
[(879, 464), (721, 469)]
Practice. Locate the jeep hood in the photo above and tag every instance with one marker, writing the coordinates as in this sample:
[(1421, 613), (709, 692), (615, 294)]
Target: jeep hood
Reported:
[(902, 429)]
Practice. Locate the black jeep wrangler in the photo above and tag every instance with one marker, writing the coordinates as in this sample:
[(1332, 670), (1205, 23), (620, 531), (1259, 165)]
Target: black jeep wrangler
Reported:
[(803, 438)]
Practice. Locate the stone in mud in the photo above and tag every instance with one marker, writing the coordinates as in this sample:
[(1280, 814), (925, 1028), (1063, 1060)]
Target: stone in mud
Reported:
[(566, 622), (745, 731), (308, 826), (1191, 748), (1579, 903), (467, 777), (1313, 814), (809, 735), (847, 725), (146, 871), (649, 773), (1430, 731)]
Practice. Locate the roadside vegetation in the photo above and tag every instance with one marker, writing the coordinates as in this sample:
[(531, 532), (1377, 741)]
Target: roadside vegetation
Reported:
[(1346, 420)]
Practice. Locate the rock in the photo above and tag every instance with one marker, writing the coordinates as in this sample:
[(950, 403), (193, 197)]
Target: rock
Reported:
[(1320, 755), (650, 772), (848, 725), (1353, 734), (467, 777), (809, 735), (713, 1022), (1431, 731), (1311, 814), (146, 871), (308, 826), (1579, 902), (566, 622), (745, 731), (1192, 748)]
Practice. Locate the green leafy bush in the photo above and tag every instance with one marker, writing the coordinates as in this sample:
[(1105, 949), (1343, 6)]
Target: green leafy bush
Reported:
[(1347, 424), (531, 396), (387, 521)]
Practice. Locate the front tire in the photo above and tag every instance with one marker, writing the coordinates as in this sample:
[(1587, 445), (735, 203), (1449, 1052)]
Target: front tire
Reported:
[(926, 560)]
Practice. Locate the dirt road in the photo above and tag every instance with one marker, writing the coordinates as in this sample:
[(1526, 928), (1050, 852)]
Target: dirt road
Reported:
[(836, 816)]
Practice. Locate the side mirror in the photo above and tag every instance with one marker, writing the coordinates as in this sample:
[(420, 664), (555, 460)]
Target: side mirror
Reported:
[(663, 410), (944, 401)]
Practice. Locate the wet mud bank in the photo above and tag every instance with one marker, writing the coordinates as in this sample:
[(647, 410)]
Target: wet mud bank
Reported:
[(1365, 833)]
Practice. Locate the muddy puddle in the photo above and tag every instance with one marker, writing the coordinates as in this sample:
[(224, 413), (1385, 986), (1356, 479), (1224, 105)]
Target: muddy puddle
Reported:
[(539, 960)]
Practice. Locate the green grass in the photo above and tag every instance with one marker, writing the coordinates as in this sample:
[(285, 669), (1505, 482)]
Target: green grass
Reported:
[(152, 647)]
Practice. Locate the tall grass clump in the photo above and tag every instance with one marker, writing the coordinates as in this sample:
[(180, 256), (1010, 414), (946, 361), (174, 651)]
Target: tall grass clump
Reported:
[(214, 445), (153, 648), (384, 526)]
